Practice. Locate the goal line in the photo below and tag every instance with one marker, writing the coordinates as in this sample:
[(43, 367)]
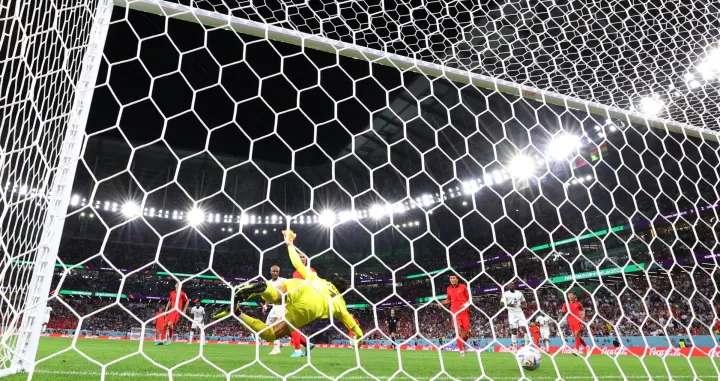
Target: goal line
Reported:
[(244, 26)]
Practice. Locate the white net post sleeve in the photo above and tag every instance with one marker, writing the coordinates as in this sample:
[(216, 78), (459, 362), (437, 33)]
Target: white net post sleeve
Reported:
[(62, 117)]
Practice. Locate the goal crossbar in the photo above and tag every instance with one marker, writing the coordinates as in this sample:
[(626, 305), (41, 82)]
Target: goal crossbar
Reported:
[(275, 33)]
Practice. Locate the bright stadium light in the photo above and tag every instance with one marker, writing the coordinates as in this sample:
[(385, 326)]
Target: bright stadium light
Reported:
[(195, 217), (327, 218), (377, 212), (709, 68), (130, 209), (651, 106), (563, 146), (74, 200), (521, 167)]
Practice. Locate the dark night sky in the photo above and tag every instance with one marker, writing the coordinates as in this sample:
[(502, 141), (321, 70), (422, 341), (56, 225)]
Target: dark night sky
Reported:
[(187, 90)]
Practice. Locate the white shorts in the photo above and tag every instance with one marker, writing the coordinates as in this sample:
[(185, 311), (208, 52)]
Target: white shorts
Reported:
[(197, 324), (545, 333), (276, 313), (516, 320)]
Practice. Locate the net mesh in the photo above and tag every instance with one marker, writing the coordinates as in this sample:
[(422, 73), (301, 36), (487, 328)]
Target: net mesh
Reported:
[(41, 52), (208, 136)]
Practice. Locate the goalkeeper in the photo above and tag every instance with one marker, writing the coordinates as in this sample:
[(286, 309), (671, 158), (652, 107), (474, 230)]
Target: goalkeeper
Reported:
[(306, 300)]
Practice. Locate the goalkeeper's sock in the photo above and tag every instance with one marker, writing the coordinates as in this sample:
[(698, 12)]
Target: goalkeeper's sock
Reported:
[(514, 341), (266, 332)]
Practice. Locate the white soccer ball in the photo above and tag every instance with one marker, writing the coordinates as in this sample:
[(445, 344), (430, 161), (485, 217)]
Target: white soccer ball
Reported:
[(529, 357)]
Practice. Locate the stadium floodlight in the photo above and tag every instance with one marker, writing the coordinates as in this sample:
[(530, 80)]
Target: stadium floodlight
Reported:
[(521, 167), (651, 105), (130, 209), (195, 217), (327, 218), (709, 68), (345, 215), (563, 146), (74, 200), (377, 212)]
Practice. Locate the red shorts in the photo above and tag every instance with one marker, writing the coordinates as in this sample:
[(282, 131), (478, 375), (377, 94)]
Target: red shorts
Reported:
[(575, 325), (173, 317), (462, 320), (159, 327), (536, 338)]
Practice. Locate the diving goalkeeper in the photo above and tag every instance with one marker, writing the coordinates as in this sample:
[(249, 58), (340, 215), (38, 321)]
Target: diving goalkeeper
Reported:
[(306, 300)]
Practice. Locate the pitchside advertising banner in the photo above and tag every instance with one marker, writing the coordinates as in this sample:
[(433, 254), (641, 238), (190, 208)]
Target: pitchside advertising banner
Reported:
[(608, 351)]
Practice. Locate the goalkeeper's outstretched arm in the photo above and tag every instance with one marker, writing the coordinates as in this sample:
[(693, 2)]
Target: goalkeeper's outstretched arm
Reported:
[(295, 257), (347, 319)]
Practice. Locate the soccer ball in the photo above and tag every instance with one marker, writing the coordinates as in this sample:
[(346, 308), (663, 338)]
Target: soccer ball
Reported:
[(529, 357)]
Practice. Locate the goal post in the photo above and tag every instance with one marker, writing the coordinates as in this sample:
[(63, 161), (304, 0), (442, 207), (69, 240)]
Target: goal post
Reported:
[(23, 319)]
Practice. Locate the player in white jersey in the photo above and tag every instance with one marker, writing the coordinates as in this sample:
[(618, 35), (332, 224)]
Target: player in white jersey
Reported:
[(544, 324), (515, 303), (277, 312), (198, 324), (46, 319)]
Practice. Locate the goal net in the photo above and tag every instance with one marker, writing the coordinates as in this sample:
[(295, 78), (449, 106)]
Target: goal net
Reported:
[(544, 147)]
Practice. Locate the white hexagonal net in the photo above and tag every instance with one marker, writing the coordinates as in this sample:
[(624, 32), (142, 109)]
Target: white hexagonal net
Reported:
[(538, 152)]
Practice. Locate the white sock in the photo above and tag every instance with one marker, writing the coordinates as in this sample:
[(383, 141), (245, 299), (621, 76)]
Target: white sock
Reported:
[(514, 340), (191, 335), (547, 344), (277, 344)]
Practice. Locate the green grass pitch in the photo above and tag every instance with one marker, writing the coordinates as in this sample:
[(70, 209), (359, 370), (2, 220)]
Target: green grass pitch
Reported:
[(187, 364)]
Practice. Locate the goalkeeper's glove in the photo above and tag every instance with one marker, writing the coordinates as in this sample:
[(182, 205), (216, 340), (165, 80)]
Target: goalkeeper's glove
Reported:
[(289, 236)]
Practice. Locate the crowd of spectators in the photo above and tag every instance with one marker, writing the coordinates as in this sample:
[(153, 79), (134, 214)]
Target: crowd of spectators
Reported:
[(674, 295)]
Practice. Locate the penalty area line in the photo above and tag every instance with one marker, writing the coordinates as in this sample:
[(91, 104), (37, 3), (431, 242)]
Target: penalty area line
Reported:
[(399, 377)]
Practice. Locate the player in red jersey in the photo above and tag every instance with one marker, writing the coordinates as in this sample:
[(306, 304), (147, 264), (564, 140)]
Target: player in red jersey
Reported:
[(535, 332), (458, 297), (178, 299), (574, 319), (296, 338), (159, 325)]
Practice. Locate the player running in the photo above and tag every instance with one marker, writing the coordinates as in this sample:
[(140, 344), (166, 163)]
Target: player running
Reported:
[(515, 303), (544, 324), (277, 311), (574, 319), (392, 323), (305, 301), (198, 313), (177, 298), (458, 297), (159, 326)]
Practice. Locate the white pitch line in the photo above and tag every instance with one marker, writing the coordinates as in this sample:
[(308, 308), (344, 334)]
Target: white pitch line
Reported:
[(399, 377)]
